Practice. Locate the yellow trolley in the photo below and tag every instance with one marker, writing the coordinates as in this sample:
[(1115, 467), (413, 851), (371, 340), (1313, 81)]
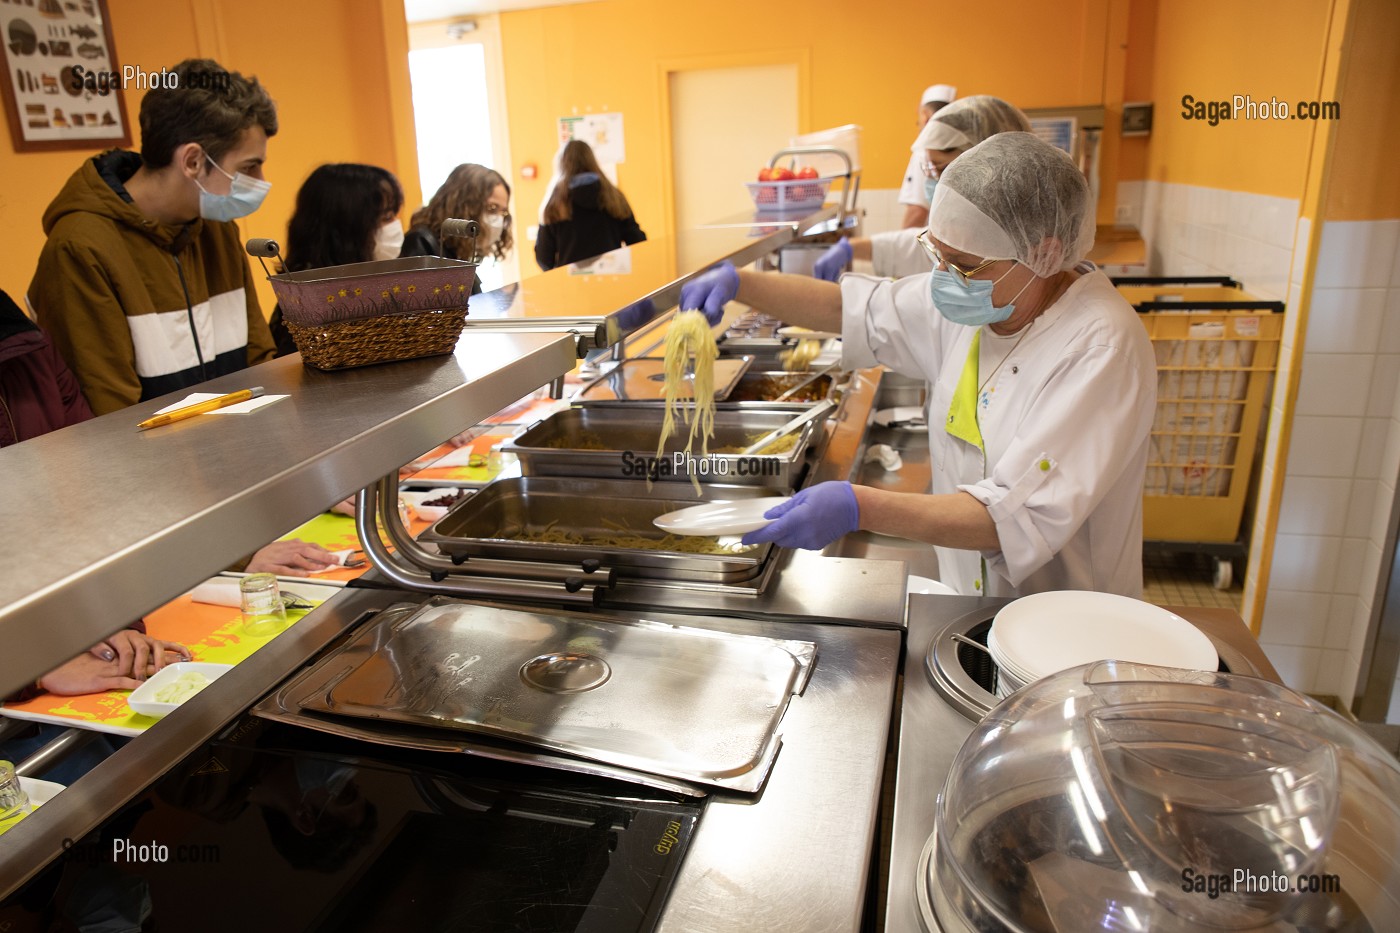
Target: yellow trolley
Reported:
[(1217, 350)]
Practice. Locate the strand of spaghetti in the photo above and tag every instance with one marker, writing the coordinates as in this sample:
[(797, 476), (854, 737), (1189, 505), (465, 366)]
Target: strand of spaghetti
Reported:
[(690, 335)]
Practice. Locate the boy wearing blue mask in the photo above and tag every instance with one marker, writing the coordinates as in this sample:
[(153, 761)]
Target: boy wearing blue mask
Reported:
[(143, 284)]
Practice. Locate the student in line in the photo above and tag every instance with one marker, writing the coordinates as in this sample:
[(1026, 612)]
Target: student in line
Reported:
[(143, 284), (585, 215)]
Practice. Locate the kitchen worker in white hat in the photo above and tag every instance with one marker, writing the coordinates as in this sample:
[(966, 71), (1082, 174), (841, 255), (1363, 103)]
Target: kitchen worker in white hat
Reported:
[(952, 131), (911, 191), (1042, 382)]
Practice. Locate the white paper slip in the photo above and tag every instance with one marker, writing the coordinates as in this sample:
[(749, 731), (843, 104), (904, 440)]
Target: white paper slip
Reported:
[(242, 408)]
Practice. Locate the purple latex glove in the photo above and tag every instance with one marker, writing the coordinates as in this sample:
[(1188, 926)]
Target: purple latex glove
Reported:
[(710, 291), (812, 519), (833, 262)]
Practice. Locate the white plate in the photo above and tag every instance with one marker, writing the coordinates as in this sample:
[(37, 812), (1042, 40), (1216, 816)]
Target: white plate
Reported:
[(719, 518), (918, 584), (428, 513), (143, 698), (904, 415), (1045, 633)]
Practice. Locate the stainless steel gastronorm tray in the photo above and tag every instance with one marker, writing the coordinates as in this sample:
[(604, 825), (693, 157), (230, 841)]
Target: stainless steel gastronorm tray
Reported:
[(687, 703), (484, 526), (747, 393), (620, 443), (643, 379)]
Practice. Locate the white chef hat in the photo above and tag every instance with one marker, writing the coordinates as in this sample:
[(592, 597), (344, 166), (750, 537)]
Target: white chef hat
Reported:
[(965, 123), (1015, 196), (939, 94)]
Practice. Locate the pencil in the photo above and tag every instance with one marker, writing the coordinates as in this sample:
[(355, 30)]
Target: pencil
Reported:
[(199, 408)]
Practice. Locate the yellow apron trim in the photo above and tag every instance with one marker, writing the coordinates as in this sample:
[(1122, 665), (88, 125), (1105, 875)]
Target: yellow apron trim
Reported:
[(962, 411)]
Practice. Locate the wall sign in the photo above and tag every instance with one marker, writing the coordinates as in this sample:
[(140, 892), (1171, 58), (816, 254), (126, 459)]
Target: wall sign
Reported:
[(61, 83)]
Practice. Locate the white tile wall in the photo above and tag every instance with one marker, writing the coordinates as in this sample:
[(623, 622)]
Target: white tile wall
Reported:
[(1192, 230), (881, 208), (1344, 446), (1346, 320), (1334, 384)]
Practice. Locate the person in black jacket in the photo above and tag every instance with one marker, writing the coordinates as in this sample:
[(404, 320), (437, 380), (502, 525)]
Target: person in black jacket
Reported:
[(345, 212), (471, 192), (585, 215)]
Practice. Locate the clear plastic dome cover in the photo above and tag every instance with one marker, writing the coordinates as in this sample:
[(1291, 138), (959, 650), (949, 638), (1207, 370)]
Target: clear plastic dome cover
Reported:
[(1118, 796)]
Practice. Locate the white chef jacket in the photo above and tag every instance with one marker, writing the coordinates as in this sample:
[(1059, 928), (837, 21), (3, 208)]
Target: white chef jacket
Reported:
[(911, 190), (1065, 421), (897, 253)]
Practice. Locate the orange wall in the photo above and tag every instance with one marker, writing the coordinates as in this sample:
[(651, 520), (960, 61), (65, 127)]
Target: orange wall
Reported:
[(1137, 85), (868, 65), (1364, 184), (325, 62), (1213, 50)]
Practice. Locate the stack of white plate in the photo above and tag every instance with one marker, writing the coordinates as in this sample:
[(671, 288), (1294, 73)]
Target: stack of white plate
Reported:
[(1045, 633)]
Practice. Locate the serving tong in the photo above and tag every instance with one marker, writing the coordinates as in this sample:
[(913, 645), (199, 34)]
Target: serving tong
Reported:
[(819, 410), (827, 370)]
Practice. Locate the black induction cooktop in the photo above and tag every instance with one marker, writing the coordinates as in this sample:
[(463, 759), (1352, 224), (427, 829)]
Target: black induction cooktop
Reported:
[(274, 828)]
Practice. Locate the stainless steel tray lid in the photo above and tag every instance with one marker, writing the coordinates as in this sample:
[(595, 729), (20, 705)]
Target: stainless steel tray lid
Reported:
[(687, 703), (643, 379)]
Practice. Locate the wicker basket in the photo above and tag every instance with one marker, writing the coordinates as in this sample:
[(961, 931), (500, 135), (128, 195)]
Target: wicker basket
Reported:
[(381, 339), (375, 312)]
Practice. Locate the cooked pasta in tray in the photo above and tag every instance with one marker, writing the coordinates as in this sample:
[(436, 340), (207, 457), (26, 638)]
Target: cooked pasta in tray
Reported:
[(570, 519)]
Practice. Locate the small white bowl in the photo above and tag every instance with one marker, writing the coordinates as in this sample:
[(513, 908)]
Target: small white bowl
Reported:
[(143, 698), (429, 513)]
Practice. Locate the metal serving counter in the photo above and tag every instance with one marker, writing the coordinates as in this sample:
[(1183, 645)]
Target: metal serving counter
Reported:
[(817, 810), (108, 522), (137, 517)]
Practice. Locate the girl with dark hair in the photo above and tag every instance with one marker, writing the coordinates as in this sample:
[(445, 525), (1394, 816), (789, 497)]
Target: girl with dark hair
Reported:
[(345, 212), (471, 192), (585, 215)]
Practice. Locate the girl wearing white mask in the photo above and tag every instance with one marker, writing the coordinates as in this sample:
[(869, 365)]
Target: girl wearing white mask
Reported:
[(471, 192), (345, 212)]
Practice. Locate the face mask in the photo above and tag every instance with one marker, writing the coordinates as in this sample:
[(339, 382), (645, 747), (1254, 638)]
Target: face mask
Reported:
[(245, 195), (930, 185), (969, 304), (388, 240), (491, 227)]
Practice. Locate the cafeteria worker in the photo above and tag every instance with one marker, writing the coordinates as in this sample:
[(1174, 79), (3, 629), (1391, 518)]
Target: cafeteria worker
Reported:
[(1043, 383)]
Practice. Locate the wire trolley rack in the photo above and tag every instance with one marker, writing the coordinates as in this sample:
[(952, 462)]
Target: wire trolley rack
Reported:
[(1217, 350)]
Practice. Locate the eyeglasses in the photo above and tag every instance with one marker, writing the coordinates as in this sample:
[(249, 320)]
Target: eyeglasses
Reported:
[(493, 210), (962, 274), (927, 167)]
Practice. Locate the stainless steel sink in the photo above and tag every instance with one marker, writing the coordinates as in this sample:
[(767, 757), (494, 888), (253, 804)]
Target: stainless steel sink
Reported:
[(914, 476)]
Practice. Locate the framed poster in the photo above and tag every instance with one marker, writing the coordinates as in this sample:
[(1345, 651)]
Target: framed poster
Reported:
[(61, 83)]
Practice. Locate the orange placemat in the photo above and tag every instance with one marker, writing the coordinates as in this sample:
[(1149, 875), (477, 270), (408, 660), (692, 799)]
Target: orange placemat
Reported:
[(462, 472), (212, 633)]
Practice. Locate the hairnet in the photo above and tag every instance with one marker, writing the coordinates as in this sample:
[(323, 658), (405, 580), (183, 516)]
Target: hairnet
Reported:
[(1015, 196), (965, 123), (939, 94)]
